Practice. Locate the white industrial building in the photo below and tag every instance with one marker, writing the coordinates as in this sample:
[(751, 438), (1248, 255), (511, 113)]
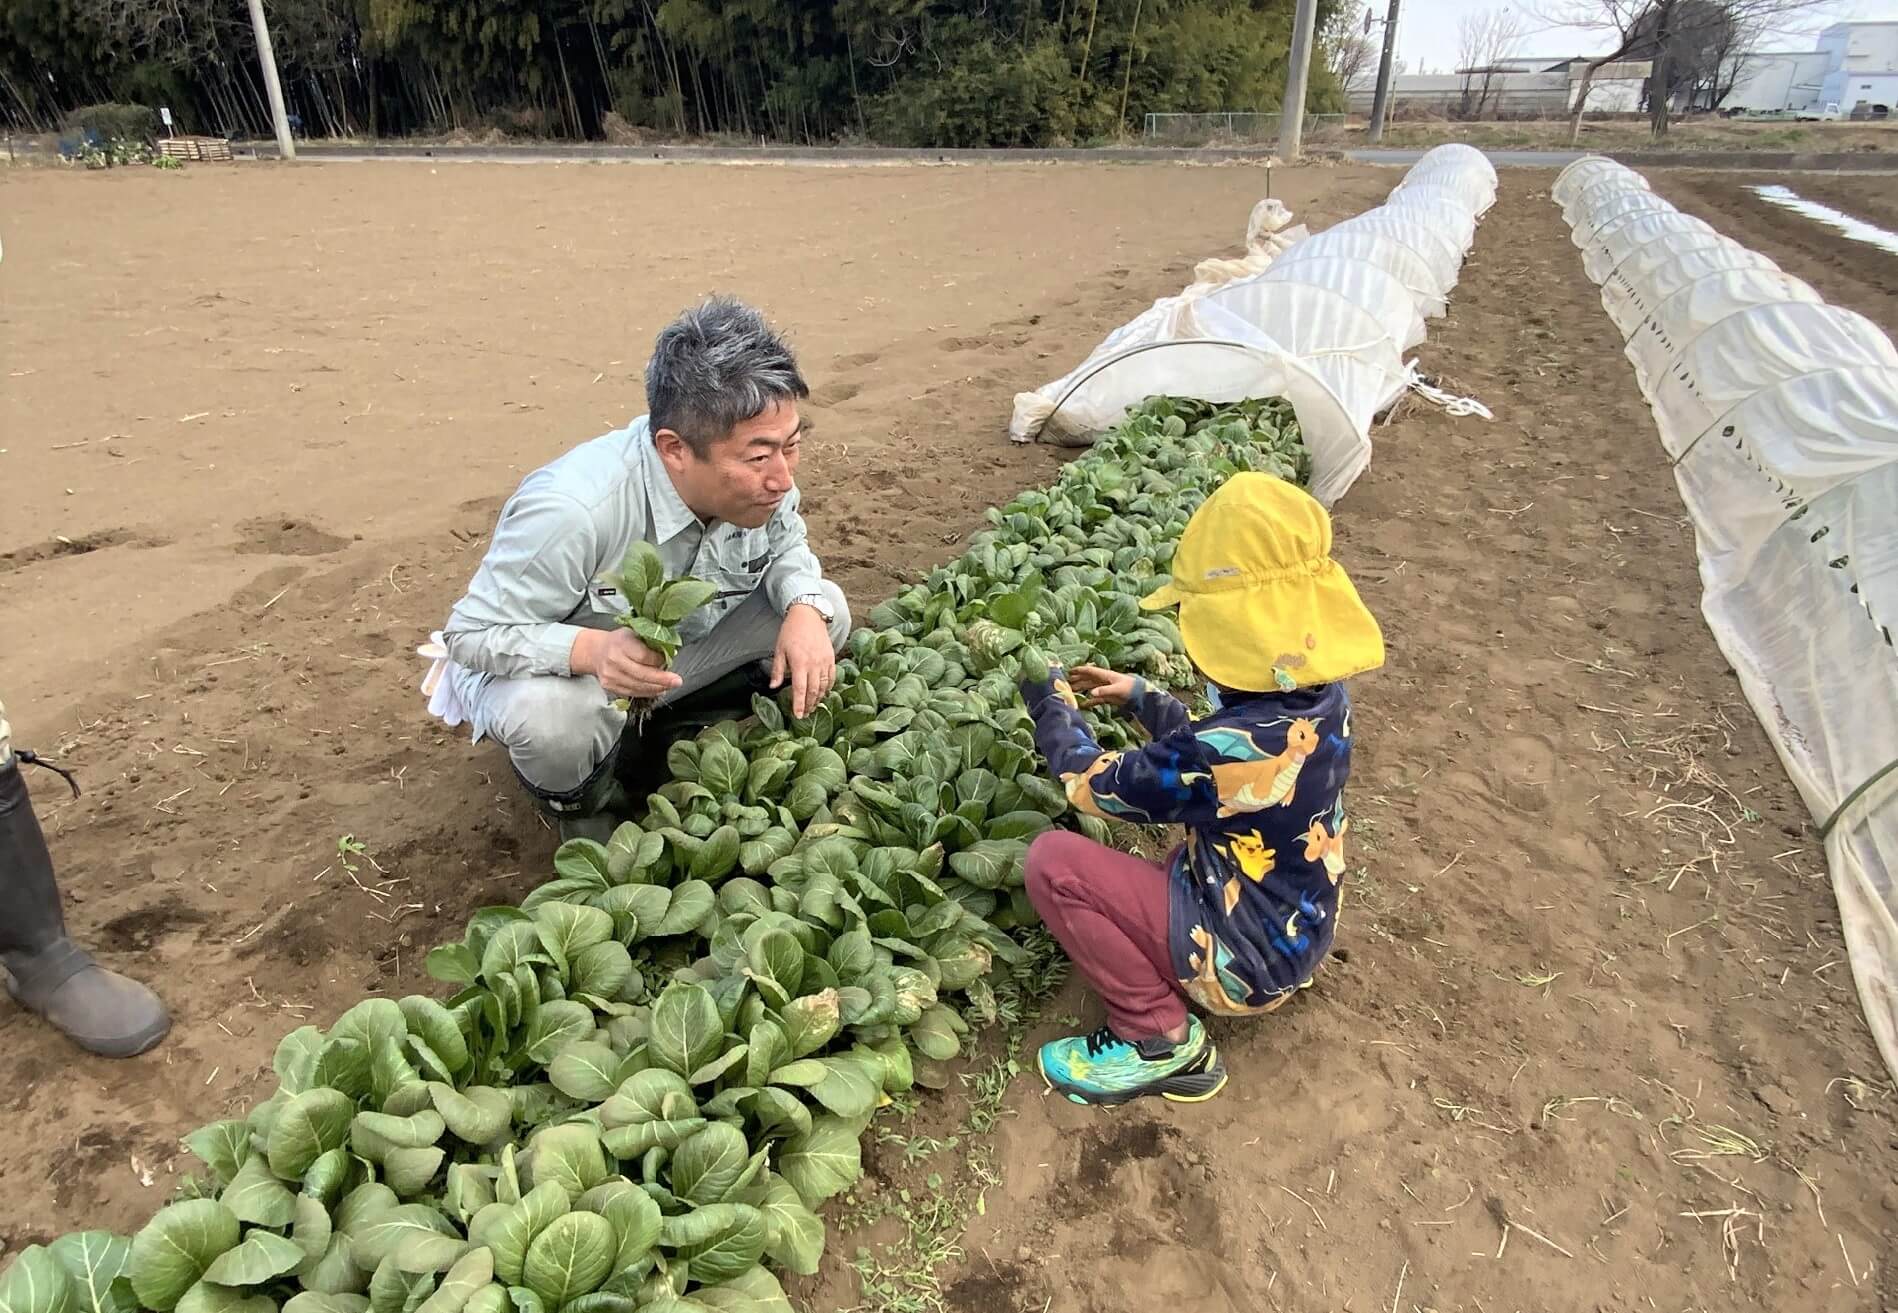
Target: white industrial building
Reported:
[(1855, 65), (1778, 79), (1863, 67), (1525, 87)]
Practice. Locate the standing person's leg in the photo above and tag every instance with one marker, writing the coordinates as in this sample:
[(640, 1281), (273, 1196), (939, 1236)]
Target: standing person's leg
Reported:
[(99, 1010), (1110, 911)]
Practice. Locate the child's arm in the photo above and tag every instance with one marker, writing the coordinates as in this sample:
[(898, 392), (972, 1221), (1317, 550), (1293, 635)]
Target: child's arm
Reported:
[(1157, 710), (1169, 781)]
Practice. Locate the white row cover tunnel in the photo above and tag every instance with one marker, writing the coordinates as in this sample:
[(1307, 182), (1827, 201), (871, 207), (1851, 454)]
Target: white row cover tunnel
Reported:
[(1323, 323), (1780, 413)]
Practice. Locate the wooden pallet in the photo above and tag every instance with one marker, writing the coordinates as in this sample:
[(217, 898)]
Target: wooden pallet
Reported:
[(195, 148)]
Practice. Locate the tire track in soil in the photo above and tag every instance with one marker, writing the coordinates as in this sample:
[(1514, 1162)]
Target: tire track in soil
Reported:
[(1538, 994)]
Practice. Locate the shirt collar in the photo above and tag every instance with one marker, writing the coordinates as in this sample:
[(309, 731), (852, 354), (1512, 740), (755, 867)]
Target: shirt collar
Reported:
[(670, 515)]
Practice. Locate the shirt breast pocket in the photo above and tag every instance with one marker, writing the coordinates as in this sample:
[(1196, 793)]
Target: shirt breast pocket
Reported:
[(603, 607), (737, 569)]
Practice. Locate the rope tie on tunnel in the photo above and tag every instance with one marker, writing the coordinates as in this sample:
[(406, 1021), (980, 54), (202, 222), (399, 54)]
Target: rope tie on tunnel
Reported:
[(1452, 404)]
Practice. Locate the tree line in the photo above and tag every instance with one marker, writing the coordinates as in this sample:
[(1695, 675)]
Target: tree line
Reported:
[(907, 72)]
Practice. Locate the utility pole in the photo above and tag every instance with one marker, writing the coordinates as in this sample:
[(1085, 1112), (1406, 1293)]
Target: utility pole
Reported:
[(1292, 116), (1381, 100), (268, 59)]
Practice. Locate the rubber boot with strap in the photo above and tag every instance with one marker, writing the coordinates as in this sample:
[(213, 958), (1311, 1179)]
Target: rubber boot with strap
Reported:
[(101, 1011), (586, 811)]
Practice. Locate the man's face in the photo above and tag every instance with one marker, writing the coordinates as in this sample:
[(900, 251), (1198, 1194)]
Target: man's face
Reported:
[(743, 478)]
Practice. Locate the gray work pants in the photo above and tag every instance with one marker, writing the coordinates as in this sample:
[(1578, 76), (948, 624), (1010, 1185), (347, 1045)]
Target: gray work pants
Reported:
[(557, 729)]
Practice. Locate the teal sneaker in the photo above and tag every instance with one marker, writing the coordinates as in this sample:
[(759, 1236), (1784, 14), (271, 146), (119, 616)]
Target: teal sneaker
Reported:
[(1103, 1068)]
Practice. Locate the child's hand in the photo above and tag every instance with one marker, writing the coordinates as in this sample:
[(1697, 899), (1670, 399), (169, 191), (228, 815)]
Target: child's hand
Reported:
[(1101, 687)]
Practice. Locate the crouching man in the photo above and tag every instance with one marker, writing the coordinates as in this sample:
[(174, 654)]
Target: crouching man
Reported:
[(533, 656)]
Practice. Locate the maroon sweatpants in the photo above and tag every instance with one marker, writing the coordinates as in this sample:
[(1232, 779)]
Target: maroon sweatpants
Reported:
[(1109, 910)]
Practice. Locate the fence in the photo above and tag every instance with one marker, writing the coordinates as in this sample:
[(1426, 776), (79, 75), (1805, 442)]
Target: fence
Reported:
[(1217, 129)]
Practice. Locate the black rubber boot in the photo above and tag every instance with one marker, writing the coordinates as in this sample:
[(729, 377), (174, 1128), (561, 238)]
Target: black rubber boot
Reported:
[(642, 752), (588, 810), (101, 1011)]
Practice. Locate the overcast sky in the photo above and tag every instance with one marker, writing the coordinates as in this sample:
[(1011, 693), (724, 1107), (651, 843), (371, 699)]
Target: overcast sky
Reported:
[(1427, 38)]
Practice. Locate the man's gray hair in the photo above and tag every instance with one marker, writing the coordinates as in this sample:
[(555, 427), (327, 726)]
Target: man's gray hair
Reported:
[(716, 366)]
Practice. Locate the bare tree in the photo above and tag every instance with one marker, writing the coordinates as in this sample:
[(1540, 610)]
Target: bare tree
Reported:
[(1650, 30), (1484, 40), (174, 33), (1731, 58), (1346, 45)]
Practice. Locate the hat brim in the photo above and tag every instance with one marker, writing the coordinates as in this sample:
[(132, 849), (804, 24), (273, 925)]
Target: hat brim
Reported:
[(1167, 594), (1313, 630)]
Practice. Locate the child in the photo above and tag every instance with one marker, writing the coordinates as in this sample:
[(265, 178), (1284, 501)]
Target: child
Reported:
[(1245, 910)]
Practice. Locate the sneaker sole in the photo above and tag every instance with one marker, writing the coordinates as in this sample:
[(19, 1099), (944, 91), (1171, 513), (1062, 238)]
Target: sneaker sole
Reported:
[(1205, 1078)]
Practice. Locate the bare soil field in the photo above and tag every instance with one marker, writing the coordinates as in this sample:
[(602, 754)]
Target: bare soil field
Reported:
[(1702, 132), (1589, 1041)]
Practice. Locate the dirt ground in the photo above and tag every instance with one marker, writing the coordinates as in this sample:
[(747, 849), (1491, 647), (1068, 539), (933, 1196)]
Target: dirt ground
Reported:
[(257, 423), (1591, 1044)]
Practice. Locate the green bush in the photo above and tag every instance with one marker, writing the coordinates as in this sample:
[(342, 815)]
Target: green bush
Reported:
[(109, 122)]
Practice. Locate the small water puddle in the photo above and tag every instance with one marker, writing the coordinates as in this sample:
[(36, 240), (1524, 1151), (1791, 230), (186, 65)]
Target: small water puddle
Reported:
[(1857, 229)]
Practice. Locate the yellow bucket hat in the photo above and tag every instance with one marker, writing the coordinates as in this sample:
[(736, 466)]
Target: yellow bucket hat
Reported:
[(1262, 604)]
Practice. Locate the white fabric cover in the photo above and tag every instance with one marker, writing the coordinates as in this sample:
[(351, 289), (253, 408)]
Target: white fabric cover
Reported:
[(1754, 349), (1613, 209), (1455, 157), (1474, 191), (1398, 260), (1247, 365), (1663, 267), (1781, 416), (1676, 322), (1333, 335), (1598, 190), (1578, 174), (1616, 211), (1440, 211), (1364, 283), (1443, 259), (1619, 238), (1323, 323)]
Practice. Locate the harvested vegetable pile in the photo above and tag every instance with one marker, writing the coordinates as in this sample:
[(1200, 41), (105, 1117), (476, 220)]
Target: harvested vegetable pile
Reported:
[(660, 1065)]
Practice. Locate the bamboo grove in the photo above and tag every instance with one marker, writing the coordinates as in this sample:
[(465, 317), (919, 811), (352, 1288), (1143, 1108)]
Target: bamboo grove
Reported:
[(904, 72)]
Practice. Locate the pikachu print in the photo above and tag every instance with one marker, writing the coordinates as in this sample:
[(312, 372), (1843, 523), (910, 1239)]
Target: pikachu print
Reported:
[(1253, 888), (1254, 860)]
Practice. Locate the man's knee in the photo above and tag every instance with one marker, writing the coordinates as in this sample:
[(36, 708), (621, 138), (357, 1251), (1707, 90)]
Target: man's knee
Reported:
[(556, 729), (839, 614)]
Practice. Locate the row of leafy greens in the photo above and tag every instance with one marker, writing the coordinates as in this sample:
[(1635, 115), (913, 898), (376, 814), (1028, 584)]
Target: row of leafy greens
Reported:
[(657, 1068)]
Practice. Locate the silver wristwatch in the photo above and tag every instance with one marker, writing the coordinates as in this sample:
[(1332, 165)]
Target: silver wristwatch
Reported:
[(818, 603)]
